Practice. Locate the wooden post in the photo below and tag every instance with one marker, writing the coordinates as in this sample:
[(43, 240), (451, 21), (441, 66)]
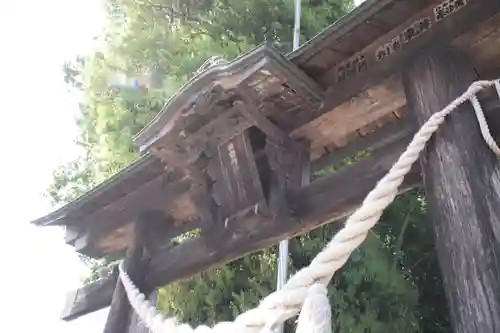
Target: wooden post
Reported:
[(121, 317), (462, 181)]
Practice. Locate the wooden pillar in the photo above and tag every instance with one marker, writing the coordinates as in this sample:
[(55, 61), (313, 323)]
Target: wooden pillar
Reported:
[(121, 317), (462, 181)]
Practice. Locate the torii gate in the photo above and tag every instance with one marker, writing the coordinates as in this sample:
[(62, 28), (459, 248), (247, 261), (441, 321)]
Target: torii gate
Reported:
[(229, 151)]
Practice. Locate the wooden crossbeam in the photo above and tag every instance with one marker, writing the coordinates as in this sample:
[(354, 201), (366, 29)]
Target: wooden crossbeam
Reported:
[(196, 255), (388, 54), (160, 190), (90, 298), (325, 200)]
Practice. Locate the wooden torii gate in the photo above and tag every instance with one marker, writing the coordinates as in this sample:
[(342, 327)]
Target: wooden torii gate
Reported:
[(230, 154)]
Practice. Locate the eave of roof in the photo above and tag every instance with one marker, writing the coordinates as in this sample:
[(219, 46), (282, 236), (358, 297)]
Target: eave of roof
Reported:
[(190, 91), (57, 217), (346, 23)]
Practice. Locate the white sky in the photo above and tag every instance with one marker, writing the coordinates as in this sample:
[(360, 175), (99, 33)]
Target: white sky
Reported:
[(36, 132)]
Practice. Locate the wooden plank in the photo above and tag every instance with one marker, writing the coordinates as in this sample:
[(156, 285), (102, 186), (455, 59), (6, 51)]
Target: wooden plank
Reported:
[(491, 105), (324, 200), (218, 130), (156, 194), (344, 26), (481, 44), (426, 26), (388, 54), (251, 111), (359, 111), (239, 175), (385, 136), (90, 298), (462, 181), (127, 180), (208, 100)]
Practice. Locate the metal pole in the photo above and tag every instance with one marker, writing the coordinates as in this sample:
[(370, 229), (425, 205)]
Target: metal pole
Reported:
[(296, 29), (283, 247)]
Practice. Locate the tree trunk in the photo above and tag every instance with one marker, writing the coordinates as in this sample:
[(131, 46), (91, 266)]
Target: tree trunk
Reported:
[(462, 181)]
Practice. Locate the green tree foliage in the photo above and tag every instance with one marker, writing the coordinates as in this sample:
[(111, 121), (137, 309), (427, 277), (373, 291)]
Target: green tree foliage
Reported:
[(369, 294), (222, 292), (408, 235), (70, 180), (391, 284), (171, 39)]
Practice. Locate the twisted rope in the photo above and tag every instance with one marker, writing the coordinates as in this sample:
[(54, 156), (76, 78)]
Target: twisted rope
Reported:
[(286, 303)]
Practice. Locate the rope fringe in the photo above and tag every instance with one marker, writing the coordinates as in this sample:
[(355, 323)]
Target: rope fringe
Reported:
[(303, 290)]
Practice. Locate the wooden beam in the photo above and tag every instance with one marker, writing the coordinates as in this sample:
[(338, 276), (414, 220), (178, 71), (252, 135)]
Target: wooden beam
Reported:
[(216, 131), (370, 65), (376, 104), (385, 136), (89, 298), (252, 112), (370, 142), (462, 181), (324, 200), (343, 27), (153, 195), (72, 233), (121, 317)]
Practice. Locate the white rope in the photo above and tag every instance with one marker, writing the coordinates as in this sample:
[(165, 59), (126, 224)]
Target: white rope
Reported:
[(316, 313), (306, 284)]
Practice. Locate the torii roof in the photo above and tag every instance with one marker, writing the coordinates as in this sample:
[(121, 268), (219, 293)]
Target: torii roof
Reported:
[(346, 78)]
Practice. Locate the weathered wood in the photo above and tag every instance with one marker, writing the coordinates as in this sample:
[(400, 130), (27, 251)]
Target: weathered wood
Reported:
[(324, 200), (120, 317), (385, 136), (287, 165), (402, 132), (370, 65), (89, 298), (127, 180), (160, 192), (251, 110), (239, 175), (208, 100), (462, 180), (343, 121), (84, 245), (216, 131), (326, 41)]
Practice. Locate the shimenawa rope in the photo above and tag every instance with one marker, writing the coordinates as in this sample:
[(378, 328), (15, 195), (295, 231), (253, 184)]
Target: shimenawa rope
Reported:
[(307, 288)]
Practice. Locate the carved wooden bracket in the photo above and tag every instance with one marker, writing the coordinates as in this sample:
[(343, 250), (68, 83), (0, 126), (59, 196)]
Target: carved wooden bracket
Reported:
[(245, 190), (224, 139)]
